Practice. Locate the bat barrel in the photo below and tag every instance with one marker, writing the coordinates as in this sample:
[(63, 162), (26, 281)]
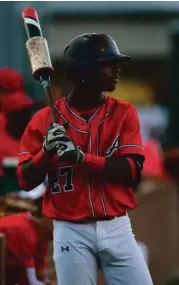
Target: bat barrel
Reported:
[(37, 46)]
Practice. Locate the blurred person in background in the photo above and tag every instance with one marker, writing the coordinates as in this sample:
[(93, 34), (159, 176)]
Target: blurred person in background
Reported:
[(16, 110), (173, 281), (27, 235), (144, 250), (153, 123)]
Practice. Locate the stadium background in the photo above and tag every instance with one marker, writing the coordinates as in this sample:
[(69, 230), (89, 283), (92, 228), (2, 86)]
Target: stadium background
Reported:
[(149, 33)]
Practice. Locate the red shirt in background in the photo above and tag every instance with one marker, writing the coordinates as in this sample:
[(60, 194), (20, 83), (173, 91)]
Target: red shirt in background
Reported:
[(9, 146), (22, 241)]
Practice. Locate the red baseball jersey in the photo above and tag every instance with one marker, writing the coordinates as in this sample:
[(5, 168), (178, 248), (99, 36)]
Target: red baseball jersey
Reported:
[(73, 192), (22, 239)]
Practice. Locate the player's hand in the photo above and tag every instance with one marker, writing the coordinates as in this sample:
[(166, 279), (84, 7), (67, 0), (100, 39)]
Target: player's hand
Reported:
[(67, 151), (42, 276), (52, 139)]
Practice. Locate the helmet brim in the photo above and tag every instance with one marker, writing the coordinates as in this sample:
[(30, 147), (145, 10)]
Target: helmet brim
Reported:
[(124, 57), (119, 57)]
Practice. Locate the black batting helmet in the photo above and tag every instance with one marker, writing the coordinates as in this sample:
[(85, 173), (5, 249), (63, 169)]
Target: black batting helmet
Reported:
[(90, 48)]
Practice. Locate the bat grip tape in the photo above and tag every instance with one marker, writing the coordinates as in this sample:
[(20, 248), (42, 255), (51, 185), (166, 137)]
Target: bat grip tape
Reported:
[(45, 83)]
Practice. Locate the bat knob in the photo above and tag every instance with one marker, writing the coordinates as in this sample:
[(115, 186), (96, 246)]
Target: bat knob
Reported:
[(30, 13)]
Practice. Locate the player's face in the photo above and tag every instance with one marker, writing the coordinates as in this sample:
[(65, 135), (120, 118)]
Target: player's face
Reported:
[(108, 75)]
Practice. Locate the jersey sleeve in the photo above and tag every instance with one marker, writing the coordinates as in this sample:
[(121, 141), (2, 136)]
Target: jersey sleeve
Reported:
[(130, 137), (32, 139)]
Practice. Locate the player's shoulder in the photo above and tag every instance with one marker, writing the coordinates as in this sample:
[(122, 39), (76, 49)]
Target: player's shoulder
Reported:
[(121, 105), (41, 116), (42, 113)]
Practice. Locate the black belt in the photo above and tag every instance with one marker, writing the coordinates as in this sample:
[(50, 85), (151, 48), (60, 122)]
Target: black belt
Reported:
[(101, 219)]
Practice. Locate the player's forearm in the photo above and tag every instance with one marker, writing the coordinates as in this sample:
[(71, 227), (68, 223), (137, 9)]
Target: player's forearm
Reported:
[(41, 259), (33, 172), (120, 170)]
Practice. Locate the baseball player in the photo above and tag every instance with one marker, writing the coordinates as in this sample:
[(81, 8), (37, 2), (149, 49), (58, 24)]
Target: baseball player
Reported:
[(93, 158)]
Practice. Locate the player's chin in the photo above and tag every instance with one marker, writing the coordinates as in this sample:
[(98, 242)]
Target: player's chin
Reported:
[(110, 87)]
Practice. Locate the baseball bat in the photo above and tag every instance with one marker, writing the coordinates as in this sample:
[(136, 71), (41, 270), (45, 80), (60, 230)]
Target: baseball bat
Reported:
[(37, 48)]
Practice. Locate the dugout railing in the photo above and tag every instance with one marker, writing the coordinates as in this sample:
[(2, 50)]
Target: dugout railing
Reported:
[(2, 258)]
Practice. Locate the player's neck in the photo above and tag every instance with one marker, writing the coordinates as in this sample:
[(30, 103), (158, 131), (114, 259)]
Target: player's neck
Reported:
[(85, 99)]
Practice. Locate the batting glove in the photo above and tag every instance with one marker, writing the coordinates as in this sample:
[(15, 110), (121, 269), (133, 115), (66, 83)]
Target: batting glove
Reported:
[(67, 151), (52, 139)]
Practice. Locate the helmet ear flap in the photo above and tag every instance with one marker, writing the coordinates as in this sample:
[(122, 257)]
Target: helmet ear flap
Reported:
[(73, 73)]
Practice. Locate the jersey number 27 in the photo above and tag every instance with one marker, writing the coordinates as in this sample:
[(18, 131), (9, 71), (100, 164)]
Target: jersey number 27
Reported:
[(54, 177)]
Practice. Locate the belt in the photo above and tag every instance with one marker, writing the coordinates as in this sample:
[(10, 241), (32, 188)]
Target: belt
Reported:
[(101, 219)]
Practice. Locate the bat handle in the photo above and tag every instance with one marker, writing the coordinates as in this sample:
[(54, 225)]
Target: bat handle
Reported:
[(46, 85)]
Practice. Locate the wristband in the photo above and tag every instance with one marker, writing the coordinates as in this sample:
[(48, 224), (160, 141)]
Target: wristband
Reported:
[(41, 158), (97, 163), (133, 167)]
